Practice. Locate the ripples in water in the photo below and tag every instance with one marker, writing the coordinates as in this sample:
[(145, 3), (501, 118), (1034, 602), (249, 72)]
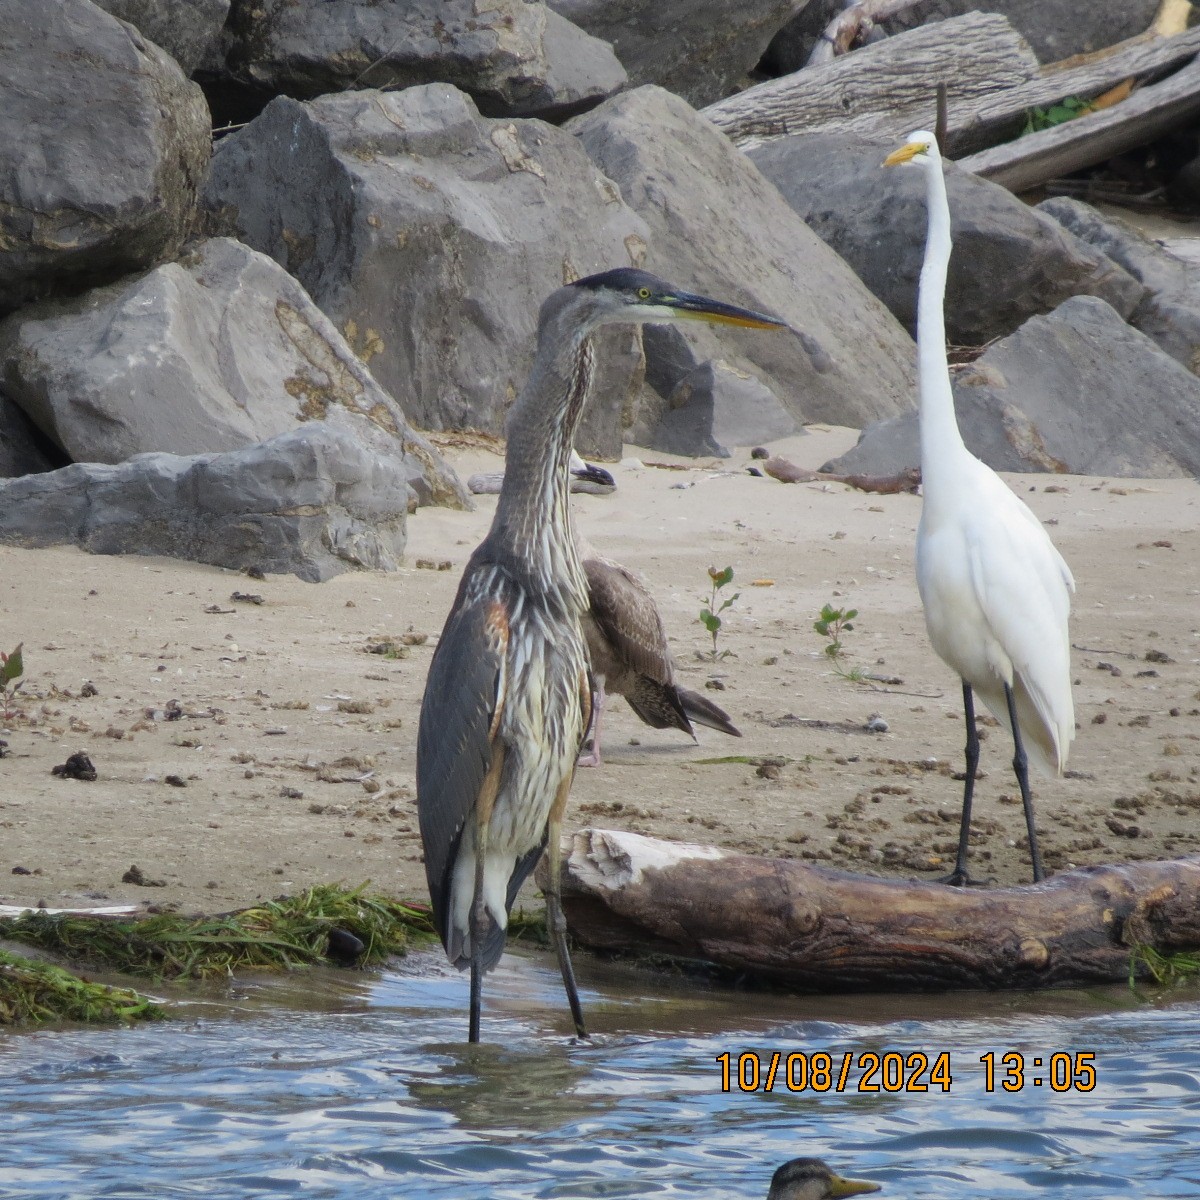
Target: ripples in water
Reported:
[(346, 1086)]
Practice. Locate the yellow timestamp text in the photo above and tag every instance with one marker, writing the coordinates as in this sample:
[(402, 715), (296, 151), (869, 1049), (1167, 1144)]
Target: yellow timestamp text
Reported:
[(899, 1071), (1061, 1072)]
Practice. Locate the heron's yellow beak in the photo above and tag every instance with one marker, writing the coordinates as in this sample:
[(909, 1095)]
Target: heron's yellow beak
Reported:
[(701, 308), (840, 1186), (906, 153)]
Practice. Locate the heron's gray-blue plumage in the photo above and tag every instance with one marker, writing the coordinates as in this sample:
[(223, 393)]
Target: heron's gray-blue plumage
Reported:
[(508, 697)]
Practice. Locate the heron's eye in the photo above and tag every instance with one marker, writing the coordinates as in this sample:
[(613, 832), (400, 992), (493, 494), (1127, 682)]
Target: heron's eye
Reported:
[(643, 293)]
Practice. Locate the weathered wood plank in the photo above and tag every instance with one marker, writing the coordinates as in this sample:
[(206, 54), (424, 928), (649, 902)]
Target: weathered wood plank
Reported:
[(825, 930), (982, 122), (1033, 159), (887, 89), (108, 910)]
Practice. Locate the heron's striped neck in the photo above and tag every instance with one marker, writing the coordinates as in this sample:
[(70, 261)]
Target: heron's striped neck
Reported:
[(533, 515)]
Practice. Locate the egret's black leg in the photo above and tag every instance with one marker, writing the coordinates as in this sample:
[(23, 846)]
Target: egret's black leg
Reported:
[(1021, 769), (960, 878), (558, 923)]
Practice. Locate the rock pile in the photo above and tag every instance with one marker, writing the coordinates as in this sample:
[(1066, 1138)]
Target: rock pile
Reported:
[(192, 337)]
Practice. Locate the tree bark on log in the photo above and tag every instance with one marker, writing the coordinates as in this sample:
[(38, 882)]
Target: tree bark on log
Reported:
[(979, 123), (1092, 138), (885, 90), (818, 929)]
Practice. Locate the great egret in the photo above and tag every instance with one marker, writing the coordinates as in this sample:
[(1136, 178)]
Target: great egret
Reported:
[(508, 699), (996, 592)]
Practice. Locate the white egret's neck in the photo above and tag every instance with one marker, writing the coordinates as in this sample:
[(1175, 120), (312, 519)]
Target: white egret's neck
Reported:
[(941, 442)]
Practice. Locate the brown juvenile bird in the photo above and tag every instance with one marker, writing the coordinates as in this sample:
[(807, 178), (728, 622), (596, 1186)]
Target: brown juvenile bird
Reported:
[(627, 646)]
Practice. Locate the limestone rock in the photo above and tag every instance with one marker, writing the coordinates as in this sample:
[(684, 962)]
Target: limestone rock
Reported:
[(103, 144), (312, 502), (1076, 390), (513, 57), (715, 409), (700, 49), (185, 29), (24, 450), (1009, 261), (431, 236), (219, 350), (1170, 311), (717, 226)]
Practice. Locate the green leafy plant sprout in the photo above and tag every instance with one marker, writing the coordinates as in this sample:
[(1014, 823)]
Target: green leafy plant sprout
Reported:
[(1065, 110), (832, 624), (710, 614), (12, 668)]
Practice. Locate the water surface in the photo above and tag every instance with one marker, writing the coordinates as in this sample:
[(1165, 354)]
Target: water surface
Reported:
[(338, 1085)]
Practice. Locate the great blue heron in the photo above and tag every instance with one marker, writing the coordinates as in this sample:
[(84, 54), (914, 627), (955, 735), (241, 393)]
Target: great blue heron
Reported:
[(627, 647), (997, 594), (811, 1179), (508, 697)]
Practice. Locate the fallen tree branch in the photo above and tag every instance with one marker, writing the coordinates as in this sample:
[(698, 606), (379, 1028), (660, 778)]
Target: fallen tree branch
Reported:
[(852, 24), (824, 930), (985, 121), (908, 480), (1094, 137), (883, 90)]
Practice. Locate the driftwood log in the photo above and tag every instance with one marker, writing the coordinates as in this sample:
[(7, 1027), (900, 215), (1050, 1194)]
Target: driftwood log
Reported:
[(978, 123), (884, 90), (1093, 137), (818, 929), (908, 480), (852, 24)]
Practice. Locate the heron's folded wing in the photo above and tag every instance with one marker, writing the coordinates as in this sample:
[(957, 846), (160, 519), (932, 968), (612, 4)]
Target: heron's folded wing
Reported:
[(628, 618), (464, 695)]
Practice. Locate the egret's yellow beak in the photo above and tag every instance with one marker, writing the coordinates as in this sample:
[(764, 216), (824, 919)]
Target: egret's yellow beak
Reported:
[(906, 153), (840, 1186)]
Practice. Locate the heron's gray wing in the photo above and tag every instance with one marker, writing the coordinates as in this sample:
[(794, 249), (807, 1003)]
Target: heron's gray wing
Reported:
[(464, 698), (629, 622)]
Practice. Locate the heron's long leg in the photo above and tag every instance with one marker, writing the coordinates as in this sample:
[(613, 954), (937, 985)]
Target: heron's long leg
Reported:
[(481, 922), (1021, 768), (592, 757), (960, 878), (479, 927), (554, 913)]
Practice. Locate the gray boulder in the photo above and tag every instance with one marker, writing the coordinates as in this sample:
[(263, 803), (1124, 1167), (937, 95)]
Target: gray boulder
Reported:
[(715, 409), (219, 350), (431, 235), (23, 448), (1009, 261), (1076, 390), (103, 144), (1170, 311), (1056, 29), (700, 49), (717, 226), (185, 29), (313, 502), (513, 57)]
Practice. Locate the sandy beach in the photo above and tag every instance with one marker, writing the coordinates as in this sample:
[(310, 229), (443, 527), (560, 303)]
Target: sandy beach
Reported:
[(292, 760)]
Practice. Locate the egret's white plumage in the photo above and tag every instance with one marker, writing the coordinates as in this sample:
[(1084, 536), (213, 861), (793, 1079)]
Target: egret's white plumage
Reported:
[(996, 592)]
